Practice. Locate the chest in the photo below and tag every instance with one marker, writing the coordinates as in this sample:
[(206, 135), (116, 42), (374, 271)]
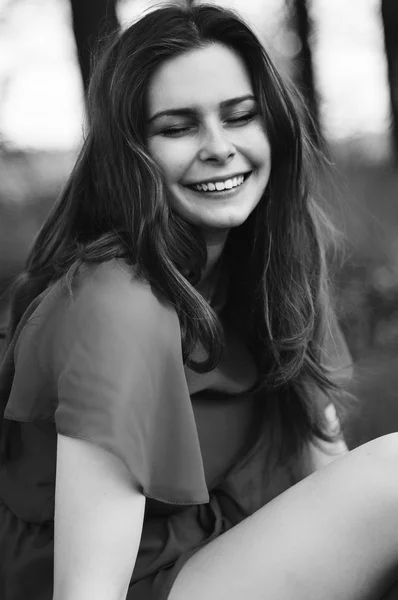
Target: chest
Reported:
[(223, 410), (225, 427)]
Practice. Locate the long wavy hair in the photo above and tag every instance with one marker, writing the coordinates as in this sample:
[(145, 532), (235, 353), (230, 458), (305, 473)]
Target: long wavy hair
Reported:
[(115, 205)]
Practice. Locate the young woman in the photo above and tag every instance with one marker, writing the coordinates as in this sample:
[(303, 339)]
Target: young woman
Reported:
[(167, 383)]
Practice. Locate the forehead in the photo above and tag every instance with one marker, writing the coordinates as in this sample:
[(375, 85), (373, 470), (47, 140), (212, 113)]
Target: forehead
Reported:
[(202, 78)]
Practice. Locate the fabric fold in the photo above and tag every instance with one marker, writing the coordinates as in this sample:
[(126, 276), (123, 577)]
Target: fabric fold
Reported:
[(114, 376)]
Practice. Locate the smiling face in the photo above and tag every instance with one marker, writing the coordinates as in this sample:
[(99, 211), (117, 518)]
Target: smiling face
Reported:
[(205, 133)]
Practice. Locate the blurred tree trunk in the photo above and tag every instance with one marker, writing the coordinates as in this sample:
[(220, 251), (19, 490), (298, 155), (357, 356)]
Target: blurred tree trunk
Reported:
[(91, 19), (389, 13), (305, 72)]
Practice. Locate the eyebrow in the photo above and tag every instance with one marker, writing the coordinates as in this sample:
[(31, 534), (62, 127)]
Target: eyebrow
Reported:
[(191, 111)]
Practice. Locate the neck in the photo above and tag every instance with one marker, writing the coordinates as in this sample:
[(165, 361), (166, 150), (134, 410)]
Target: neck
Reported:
[(215, 243)]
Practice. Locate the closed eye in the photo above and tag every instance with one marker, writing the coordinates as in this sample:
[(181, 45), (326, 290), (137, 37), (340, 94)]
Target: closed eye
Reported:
[(176, 131), (234, 121), (242, 119)]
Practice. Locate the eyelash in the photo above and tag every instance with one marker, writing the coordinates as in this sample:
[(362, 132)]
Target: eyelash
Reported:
[(175, 131)]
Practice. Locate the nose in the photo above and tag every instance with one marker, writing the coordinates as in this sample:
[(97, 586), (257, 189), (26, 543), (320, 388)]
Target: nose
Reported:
[(216, 146)]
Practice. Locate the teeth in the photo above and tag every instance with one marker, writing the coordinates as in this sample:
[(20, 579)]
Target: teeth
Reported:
[(220, 185)]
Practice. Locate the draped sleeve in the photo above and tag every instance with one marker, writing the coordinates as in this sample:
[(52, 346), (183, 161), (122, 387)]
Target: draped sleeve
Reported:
[(107, 367)]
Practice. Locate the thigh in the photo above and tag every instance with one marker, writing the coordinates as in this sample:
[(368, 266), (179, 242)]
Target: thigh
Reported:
[(333, 536)]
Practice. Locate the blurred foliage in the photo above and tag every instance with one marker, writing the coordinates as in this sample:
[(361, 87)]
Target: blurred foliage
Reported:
[(367, 285), (367, 293), (29, 185)]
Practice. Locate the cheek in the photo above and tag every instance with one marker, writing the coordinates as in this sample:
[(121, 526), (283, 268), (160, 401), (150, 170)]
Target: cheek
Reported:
[(173, 159), (261, 149), (255, 145)]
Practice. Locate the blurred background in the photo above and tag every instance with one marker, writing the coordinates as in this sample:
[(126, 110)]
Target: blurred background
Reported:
[(344, 57)]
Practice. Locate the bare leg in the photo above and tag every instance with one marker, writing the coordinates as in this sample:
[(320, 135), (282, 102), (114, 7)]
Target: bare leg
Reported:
[(333, 536)]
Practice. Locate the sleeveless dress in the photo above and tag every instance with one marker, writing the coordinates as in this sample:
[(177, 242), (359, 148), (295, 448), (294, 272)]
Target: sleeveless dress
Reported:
[(107, 367)]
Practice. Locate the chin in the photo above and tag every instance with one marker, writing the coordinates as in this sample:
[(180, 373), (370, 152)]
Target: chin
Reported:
[(227, 222)]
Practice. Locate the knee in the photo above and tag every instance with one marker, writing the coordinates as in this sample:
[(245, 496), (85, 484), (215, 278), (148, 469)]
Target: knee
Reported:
[(375, 464), (368, 470), (384, 448)]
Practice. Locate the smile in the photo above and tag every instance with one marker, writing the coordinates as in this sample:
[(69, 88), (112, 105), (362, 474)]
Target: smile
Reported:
[(219, 186)]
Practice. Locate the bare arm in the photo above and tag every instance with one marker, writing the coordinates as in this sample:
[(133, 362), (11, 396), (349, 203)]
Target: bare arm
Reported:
[(99, 514)]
